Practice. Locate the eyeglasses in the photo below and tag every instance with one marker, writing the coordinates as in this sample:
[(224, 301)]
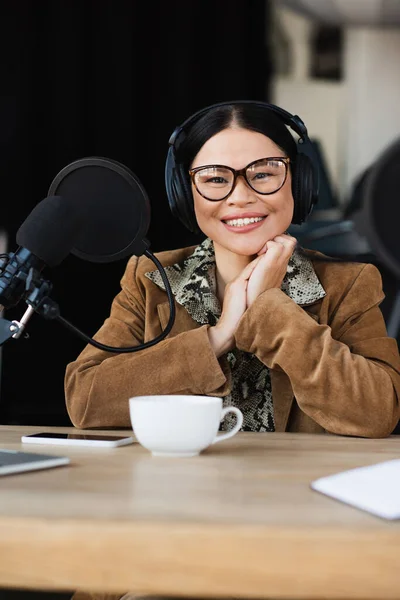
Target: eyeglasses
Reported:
[(217, 182)]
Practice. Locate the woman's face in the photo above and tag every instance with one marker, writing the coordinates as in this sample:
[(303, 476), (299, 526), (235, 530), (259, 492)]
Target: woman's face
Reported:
[(237, 147)]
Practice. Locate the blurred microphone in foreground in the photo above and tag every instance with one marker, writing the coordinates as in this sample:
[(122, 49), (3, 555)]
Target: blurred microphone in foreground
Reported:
[(45, 238)]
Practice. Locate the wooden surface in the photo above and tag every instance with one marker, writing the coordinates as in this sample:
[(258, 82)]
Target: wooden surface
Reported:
[(239, 520)]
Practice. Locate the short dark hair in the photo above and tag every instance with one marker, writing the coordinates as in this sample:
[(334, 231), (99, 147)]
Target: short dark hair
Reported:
[(248, 116)]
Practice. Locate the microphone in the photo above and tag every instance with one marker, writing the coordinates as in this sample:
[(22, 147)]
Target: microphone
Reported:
[(98, 210), (45, 238)]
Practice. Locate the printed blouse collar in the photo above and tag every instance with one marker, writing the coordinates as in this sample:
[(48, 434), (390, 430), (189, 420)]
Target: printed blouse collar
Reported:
[(193, 282)]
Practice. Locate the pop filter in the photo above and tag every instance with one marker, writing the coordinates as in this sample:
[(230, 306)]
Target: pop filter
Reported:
[(379, 216), (110, 217), (114, 204)]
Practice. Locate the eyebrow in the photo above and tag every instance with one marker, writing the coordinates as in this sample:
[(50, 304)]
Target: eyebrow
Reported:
[(286, 158)]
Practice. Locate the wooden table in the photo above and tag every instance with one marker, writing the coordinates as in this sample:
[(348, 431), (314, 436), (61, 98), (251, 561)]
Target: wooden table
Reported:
[(239, 520)]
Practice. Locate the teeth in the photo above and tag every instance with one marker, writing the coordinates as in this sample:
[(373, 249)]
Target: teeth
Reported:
[(243, 222)]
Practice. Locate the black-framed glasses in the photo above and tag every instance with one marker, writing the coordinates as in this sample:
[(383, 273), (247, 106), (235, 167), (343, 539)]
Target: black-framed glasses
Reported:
[(264, 176)]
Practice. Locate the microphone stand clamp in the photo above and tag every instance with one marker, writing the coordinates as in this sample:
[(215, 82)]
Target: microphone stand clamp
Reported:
[(37, 300)]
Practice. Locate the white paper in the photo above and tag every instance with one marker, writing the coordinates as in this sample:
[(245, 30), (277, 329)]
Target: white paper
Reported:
[(375, 488)]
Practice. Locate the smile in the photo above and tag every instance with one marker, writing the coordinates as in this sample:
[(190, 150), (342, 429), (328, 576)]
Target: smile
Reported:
[(243, 222)]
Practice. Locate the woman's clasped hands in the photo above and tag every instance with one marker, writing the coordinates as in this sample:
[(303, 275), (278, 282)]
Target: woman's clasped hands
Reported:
[(265, 272)]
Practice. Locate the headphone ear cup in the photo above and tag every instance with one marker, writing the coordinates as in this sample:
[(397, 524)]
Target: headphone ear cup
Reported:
[(170, 183), (179, 193), (303, 188), (185, 200)]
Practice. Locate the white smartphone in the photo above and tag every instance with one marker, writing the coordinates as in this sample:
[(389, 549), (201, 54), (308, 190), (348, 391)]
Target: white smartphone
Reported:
[(77, 439)]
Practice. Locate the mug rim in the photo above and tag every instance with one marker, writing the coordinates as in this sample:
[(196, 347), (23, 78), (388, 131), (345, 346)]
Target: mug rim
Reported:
[(178, 398)]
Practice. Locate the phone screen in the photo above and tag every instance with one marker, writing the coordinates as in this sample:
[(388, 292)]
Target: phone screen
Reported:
[(78, 439), (77, 436)]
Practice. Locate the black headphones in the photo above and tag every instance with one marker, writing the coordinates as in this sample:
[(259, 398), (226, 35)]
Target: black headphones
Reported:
[(305, 172)]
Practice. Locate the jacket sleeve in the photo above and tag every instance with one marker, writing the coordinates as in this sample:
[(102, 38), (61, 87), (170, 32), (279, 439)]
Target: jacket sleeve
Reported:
[(345, 375), (99, 384)]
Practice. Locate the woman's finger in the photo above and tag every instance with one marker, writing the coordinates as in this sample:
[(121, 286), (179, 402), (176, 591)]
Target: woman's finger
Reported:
[(274, 254), (276, 246), (247, 271), (288, 243), (286, 240), (263, 249)]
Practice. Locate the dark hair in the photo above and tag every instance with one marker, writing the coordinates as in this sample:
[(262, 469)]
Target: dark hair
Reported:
[(248, 116)]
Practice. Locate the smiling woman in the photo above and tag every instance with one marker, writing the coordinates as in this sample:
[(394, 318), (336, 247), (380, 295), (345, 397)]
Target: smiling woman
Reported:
[(295, 340)]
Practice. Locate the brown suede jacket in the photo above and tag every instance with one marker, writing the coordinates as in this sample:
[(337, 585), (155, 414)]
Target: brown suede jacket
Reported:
[(333, 368)]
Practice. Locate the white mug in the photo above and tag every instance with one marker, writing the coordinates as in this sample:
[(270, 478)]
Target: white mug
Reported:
[(179, 425)]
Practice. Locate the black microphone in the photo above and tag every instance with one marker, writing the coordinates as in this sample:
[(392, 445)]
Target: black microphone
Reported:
[(45, 238)]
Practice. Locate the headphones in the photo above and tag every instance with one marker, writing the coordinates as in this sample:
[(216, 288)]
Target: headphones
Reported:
[(305, 172)]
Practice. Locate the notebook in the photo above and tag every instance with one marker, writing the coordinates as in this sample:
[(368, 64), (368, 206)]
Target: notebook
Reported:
[(375, 489), (14, 461)]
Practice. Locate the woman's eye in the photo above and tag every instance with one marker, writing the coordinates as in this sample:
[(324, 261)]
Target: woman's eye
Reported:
[(219, 180), (262, 175)]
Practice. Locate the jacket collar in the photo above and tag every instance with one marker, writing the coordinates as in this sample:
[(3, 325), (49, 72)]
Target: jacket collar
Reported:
[(193, 282)]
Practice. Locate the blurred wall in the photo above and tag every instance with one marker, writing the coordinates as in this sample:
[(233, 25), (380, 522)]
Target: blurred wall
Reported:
[(372, 115), (320, 103), (355, 118)]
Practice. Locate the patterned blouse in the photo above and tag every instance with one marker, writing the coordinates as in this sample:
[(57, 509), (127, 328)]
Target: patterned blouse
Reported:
[(193, 283)]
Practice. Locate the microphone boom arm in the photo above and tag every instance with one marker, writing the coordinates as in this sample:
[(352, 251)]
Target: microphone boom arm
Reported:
[(41, 303)]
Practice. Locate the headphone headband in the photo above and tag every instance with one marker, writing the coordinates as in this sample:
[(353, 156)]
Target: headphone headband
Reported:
[(293, 121), (305, 170)]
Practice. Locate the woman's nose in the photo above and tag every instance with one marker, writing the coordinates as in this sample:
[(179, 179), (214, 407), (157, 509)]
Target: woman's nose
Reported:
[(242, 193)]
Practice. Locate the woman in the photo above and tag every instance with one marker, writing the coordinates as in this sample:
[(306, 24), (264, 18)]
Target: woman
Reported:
[(295, 340)]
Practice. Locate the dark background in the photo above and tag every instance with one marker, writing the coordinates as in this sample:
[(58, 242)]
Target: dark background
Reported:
[(101, 78)]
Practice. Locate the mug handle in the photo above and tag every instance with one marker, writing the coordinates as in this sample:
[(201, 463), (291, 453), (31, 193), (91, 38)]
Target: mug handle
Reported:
[(239, 423)]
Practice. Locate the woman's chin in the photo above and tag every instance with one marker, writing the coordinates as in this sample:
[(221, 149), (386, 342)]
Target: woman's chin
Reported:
[(250, 249)]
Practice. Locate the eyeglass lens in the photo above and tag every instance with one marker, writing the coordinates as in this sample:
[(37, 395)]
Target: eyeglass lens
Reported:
[(264, 176)]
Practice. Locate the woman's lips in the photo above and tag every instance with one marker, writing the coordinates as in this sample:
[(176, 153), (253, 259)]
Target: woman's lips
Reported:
[(243, 228)]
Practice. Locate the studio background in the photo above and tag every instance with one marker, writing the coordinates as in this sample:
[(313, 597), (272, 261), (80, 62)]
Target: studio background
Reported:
[(113, 79)]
